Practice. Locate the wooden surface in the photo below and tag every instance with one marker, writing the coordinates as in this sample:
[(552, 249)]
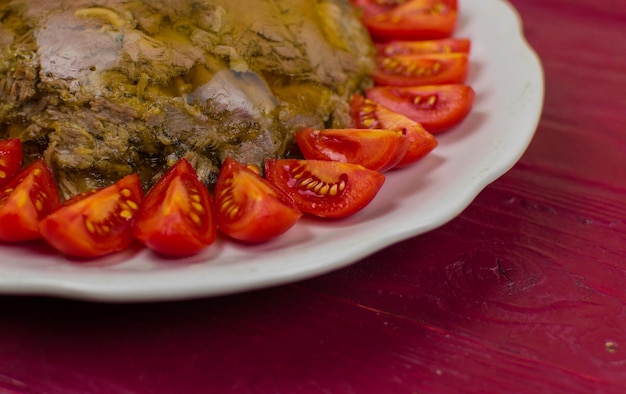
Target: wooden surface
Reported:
[(524, 292)]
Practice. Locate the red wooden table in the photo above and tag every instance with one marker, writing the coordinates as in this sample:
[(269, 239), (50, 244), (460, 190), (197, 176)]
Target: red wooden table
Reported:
[(525, 291)]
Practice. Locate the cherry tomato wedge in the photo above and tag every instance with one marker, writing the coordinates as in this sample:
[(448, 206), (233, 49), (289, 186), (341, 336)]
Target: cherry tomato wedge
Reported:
[(28, 197), (412, 70), (250, 208), (424, 47), (378, 150), (10, 159), (408, 20), (436, 107), (176, 217), (328, 189), (367, 114), (95, 223)]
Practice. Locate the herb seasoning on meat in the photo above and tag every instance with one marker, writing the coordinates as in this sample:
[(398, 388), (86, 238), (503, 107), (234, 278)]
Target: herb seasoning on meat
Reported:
[(104, 88)]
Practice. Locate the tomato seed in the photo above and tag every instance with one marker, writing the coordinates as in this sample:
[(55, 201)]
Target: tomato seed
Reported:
[(318, 187), (226, 204), (232, 211), (126, 214), (369, 122), (90, 227), (430, 101), (313, 184), (389, 63), (305, 182), (297, 173), (195, 218), (369, 107), (133, 205)]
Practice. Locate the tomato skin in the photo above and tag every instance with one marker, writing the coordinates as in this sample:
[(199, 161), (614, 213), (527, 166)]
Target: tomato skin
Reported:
[(28, 197), (177, 216), (367, 114), (436, 107), (424, 47), (408, 20), (326, 189), (378, 150), (428, 69), (11, 158), (95, 223), (250, 208)]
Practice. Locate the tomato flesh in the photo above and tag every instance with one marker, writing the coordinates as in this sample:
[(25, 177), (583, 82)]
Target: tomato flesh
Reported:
[(10, 159), (328, 189), (436, 107), (176, 217), (28, 197), (408, 20), (378, 150), (367, 114), (429, 69), (424, 47), (250, 208), (95, 223)]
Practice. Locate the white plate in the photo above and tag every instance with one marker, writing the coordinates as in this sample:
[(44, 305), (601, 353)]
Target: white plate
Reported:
[(508, 79)]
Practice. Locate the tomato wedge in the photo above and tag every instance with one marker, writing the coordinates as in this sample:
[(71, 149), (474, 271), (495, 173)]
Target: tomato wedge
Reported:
[(28, 197), (328, 189), (424, 47), (95, 223), (10, 159), (250, 208), (378, 150), (429, 69), (367, 114), (176, 217), (408, 20), (436, 107)]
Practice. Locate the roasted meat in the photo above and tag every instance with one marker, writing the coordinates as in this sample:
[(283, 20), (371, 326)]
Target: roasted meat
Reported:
[(104, 88)]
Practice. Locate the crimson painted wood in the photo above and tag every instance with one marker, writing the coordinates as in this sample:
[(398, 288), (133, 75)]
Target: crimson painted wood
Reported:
[(524, 292)]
